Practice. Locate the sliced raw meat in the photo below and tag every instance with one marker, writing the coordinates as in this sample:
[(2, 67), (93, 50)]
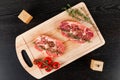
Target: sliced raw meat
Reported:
[(76, 31), (49, 45)]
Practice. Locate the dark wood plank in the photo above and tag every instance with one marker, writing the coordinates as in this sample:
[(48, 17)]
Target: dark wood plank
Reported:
[(107, 16)]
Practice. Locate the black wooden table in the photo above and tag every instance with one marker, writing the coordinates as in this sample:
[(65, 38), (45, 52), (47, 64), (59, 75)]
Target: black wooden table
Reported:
[(106, 13)]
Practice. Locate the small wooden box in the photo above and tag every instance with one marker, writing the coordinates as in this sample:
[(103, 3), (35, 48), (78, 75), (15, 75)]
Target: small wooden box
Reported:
[(25, 17), (96, 65)]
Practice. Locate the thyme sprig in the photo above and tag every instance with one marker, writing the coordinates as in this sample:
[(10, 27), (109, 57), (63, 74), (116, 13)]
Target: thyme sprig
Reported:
[(77, 14)]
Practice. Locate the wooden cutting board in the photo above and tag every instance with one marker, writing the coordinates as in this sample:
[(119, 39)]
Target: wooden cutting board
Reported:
[(72, 52)]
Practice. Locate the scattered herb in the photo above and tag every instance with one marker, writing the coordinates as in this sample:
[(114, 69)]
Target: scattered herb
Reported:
[(65, 30), (73, 36), (58, 52), (77, 14), (86, 40), (42, 47), (51, 50), (51, 43)]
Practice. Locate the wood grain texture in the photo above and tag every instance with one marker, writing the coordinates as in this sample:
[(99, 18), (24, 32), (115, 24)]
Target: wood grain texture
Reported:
[(106, 14), (73, 50)]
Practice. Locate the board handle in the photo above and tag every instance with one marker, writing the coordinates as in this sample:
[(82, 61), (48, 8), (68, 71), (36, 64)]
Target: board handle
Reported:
[(24, 56)]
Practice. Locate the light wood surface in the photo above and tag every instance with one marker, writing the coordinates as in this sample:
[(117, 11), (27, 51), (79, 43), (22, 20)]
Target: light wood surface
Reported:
[(73, 50)]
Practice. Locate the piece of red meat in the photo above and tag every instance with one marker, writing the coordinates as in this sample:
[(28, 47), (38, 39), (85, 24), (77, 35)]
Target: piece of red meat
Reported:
[(52, 47), (76, 31)]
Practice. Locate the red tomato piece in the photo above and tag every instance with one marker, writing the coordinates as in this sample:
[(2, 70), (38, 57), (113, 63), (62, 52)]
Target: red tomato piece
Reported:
[(48, 68), (48, 60), (56, 65), (41, 65)]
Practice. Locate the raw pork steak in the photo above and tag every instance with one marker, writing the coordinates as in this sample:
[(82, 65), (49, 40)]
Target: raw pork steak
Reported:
[(76, 31), (51, 46)]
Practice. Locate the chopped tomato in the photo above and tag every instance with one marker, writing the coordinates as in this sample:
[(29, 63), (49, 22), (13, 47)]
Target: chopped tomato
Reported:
[(48, 60), (48, 68), (41, 65), (56, 65), (46, 63)]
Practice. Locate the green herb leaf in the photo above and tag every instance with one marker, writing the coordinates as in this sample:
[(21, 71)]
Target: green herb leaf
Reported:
[(73, 36), (68, 5), (76, 13)]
